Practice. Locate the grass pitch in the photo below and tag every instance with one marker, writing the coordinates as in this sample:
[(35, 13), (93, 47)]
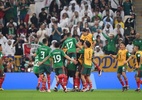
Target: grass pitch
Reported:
[(95, 95)]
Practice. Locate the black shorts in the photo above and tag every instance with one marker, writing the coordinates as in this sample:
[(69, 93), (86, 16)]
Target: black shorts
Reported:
[(71, 73)]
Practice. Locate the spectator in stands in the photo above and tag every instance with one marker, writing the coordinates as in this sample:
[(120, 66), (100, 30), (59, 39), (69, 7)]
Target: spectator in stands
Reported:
[(42, 15), (98, 40), (120, 31), (52, 44), (98, 51), (41, 33), (112, 40), (105, 49), (107, 18), (23, 9), (56, 32), (119, 21), (130, 47), (138, 41), (34, 20), (114, 4), (9, 49), (32, 30), (108, 28), (12, 22), (3, 40), (21, 31), (75, 30), (127, 6), (119, 13), (95, 4), (2, 29), (1, 11), (130, 21), (10, 30), (109, 11), (64, 22), (53, 9)]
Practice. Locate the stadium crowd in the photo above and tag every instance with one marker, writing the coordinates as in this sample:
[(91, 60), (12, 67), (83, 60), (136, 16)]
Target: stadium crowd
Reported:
[(30, 21)]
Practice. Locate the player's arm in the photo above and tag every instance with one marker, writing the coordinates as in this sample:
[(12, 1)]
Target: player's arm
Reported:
[(39, 63), (68, 58), (129, 56), (113, 56)]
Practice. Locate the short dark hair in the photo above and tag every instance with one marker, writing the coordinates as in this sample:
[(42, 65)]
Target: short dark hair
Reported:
[(84, 30), (69, 34), (123, 43), (88, 44), (43, 9), (57, 44), (44, 41)]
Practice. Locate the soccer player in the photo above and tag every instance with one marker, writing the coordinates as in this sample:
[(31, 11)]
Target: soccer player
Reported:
[(58, 55), (86, 36), (123, 56), (87, 52), (79, 66), (2, 75), (138, 66), (36, 71), (70, 44), (42, 52)]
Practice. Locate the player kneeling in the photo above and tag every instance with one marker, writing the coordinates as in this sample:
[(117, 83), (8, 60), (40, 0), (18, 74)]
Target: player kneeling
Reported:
[(57, 55)]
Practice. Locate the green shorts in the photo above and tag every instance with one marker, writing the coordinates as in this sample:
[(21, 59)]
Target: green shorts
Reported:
[(121, 69), (36, 69), (59, 71), (139, 73), (72, 55), (44, 69), (85, 71)]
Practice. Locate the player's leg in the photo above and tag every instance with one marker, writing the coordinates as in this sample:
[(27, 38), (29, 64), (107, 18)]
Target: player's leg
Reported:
[(2, 77), (97, 67), (62, 78), (119, 72), (125, 77), (83, 74), (41, 72), (48, 72), (138, 81)]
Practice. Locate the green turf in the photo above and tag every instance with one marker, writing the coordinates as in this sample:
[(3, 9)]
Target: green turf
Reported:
[(96, 95)]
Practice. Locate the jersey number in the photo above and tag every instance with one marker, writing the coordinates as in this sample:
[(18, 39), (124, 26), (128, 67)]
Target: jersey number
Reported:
[(56, 58), (69, 45), (42, 55)]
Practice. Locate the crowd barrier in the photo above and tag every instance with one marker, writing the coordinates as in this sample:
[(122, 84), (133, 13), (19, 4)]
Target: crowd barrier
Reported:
[(107, 63), (28, 81)]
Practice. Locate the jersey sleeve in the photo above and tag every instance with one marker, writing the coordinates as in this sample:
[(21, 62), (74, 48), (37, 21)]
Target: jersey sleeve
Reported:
[(81, 51), (75, 41), (128, 54), (37, 51), (63, 54)]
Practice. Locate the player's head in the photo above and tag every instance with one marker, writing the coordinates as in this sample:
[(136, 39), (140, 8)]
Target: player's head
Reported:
[(84, 31), (87, 44), (122, 45), (69, 34), (45, 41), (57, 45), (136, 48)]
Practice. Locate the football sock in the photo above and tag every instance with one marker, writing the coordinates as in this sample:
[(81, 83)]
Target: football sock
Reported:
[(121, 81), (138, 84), (39, 80), (61, 77), (48, 81), (0, 82), (126, 82), (76, 81), (141, 81), (65, 80), (90, 85), (97, 67), (84, 85)]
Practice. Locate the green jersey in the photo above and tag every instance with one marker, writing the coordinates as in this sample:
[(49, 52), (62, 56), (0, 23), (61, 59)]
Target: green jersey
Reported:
[(70, 44), (57, 55), (111, 43), (36, 61), (138, 42), (42, 52)]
